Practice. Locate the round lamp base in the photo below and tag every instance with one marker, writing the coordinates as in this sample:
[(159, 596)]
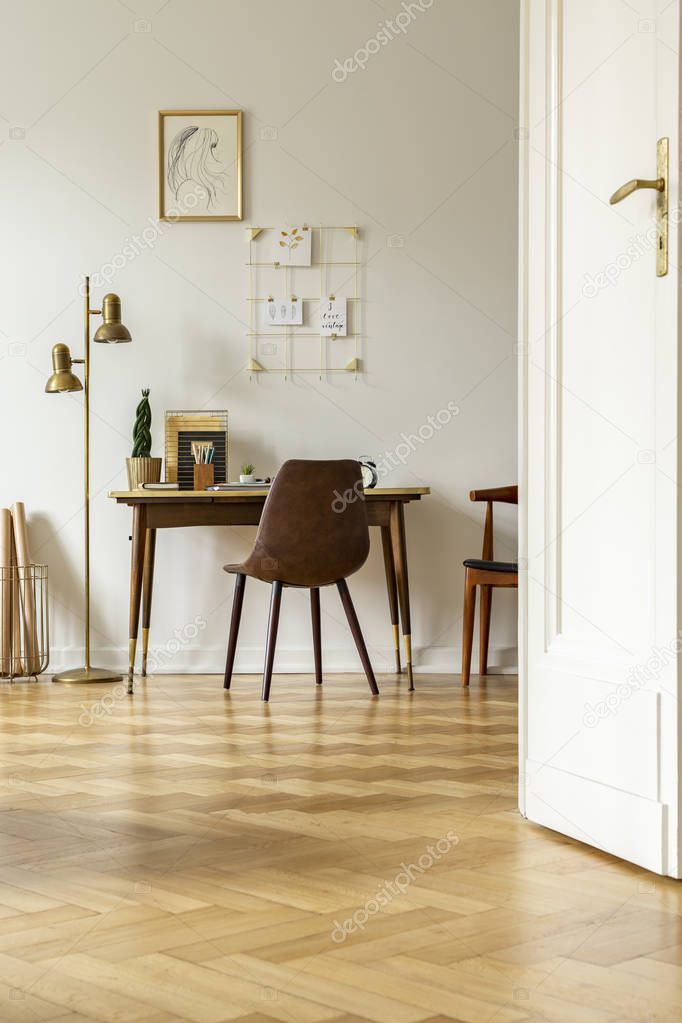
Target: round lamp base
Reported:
[(80, 676)]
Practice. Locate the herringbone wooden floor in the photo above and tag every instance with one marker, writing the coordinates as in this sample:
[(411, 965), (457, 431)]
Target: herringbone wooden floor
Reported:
[(196, 855)]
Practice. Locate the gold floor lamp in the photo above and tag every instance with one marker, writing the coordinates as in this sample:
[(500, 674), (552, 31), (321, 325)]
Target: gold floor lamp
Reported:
[(63, 380)]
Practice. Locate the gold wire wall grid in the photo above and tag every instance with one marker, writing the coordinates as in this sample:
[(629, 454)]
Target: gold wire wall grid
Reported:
[(184, 427), (24, 621), (295, 347)]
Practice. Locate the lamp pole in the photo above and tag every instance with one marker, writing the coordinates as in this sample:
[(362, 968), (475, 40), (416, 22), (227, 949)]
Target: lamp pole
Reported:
[(86, 469), (86, 466)]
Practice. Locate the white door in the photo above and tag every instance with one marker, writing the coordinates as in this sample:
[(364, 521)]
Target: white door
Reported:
[(599, 406)]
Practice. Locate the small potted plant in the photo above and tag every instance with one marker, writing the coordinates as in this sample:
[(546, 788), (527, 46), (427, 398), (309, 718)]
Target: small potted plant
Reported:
[(142, 468), (247, 473)]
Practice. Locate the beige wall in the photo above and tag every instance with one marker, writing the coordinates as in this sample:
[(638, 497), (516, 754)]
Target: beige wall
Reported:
[(417, 148)]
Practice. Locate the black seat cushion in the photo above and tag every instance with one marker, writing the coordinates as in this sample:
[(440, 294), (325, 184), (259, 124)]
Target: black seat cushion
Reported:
[(491, 566)]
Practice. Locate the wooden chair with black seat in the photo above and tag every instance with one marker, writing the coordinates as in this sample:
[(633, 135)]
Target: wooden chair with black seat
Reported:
[(486, 573), (305, 541)]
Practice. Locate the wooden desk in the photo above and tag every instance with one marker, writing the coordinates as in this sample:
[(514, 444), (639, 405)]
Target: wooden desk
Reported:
[(158, 509)]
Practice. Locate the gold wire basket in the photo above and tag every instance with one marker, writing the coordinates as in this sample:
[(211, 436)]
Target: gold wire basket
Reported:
[(24, 621)]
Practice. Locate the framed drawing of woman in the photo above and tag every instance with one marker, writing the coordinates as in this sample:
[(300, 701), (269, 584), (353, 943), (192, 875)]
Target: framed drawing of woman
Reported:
[(200, 165)]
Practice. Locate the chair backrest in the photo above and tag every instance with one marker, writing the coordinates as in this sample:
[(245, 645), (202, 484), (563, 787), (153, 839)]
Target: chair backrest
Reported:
[(504, 495), (314, 522)]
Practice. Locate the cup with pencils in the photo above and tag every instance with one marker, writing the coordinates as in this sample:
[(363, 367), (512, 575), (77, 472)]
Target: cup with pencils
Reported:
[(203, 454)]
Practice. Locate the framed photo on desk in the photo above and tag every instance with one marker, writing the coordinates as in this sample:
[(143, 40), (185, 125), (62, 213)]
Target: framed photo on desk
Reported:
[(184, 427)]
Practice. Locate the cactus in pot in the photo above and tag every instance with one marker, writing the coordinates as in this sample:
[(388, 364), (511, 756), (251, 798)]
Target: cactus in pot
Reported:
[(142, 433), (142, 468)]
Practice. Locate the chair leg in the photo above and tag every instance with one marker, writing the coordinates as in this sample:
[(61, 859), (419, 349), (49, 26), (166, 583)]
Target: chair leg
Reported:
[(468, 625), (273, 622), (237, 602), (317, 633), (357, 634), (486, 600)]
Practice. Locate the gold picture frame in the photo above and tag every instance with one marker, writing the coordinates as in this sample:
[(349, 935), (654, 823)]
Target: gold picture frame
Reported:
[(201, 156)]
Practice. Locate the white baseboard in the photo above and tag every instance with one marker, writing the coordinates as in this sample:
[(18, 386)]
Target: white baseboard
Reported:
[(202, 660)]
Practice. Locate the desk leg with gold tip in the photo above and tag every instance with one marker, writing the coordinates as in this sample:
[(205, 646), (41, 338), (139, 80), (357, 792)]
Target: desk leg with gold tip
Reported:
[(397, 525), (136, 575), (147, 586), (392, 587)]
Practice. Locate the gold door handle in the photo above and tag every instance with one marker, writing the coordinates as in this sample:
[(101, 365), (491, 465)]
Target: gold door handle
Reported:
[(633, 186), (660, 185)]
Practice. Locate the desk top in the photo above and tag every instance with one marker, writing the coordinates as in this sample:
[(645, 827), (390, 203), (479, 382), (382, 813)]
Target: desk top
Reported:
[(378, 493)]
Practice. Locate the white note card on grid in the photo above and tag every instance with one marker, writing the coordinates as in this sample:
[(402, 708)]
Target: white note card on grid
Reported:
[(333, 317), (282, 312)]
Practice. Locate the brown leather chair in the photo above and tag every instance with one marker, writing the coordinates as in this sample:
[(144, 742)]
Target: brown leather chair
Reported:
[(306, 540), (486, 573)]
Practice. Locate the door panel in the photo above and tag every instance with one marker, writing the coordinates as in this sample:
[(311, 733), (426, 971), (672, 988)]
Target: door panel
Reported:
[(599, 421), (605, 734), (606, 125), (607, 818)]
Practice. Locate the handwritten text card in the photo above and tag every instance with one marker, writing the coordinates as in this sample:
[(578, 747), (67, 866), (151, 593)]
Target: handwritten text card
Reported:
[(333, 317)]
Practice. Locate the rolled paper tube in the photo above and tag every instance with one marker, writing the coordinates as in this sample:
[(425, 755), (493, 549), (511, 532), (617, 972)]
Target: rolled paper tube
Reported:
[(16, 663), (28, 606), (5, 591)]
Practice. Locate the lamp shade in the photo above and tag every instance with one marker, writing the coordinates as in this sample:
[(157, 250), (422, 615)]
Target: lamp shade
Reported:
[(112, 331), (62, 378)]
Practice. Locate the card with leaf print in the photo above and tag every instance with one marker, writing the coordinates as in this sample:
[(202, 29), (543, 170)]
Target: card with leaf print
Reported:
[(280, 312), (293, 245)]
